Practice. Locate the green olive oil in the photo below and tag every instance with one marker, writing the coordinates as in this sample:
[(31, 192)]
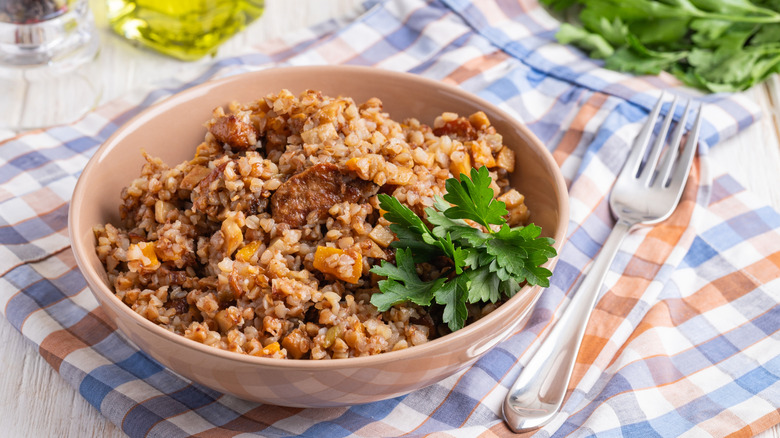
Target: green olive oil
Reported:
[(184, 29)]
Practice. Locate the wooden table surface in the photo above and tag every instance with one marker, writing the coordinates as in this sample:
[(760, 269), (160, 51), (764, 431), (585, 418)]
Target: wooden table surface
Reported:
[(35, 401)]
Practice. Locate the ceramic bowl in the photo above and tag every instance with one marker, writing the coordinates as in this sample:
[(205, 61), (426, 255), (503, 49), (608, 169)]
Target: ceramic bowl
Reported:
[(172, 128)]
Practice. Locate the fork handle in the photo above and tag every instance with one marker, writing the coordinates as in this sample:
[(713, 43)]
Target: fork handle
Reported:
[(537, 394)]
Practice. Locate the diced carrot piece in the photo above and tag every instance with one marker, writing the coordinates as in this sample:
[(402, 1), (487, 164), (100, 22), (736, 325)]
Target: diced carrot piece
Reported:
[(245, 253), (479, 120), (460, 162), (271, 348), (324, 253), (357, 268), (150, 257), (141, 257), (352, 164)]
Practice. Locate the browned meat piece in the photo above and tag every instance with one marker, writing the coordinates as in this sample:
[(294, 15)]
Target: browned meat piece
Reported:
[(239, 135), (459, 129), (316, 189)]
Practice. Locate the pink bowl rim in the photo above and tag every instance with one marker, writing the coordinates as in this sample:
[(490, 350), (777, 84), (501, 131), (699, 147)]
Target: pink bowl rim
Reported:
[(93, 279)]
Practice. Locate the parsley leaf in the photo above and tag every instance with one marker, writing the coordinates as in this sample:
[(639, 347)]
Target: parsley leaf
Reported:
[(486, 264), (457, 228), (595, 44), (717, 45), (411, 231), (484, 286), (473, 199), (452, 294), (401, 215), (413, 234), (402, 283)]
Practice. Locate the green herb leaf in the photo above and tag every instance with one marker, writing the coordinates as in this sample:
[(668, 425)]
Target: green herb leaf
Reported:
[(766, 35), (456, 228), (639, 59), (717, 45), (485, 264), (452, 295), (407, 239), (400, 214), (614, 31), (402, 283), (473, 199), (483, 286), (509, 288), (598, 46)]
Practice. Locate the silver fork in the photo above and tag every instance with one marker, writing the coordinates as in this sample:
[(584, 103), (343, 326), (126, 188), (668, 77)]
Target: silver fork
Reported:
[(645, 193)]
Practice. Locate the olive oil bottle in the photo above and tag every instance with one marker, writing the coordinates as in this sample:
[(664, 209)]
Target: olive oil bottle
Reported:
[(184, 29)]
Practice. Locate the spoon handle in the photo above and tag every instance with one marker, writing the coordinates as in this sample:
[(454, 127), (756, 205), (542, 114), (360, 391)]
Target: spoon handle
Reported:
[(537, 394)]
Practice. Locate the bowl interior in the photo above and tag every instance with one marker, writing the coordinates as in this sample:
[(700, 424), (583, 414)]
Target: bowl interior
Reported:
[(173, 128)]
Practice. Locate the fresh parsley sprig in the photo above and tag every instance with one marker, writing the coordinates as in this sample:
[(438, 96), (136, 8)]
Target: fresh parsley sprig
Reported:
[(719, 46), (486, 263)]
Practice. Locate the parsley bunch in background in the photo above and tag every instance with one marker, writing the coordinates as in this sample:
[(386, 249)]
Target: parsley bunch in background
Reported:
[(485, 264), (717, 45)]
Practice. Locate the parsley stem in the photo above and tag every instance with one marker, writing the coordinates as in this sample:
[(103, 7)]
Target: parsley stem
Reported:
[(740, 19)]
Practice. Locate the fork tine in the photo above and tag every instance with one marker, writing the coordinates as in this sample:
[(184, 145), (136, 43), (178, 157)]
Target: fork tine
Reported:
[(634, 159), (681, 172), (658, 145), (665, 168)]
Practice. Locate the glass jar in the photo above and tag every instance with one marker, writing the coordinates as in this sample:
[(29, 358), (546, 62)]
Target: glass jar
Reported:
[(46, 48), (184, 29)]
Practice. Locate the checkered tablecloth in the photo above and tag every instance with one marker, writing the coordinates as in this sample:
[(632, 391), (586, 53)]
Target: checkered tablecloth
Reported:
[(685, 339)]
